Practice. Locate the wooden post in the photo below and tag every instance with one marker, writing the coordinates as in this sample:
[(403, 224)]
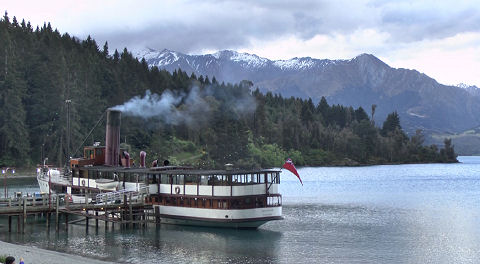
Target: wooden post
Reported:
[(106, 215), (9, 223), (96, 219), (9, 202), (130, 208), (113, 223), (86, 220), (124, 212), (157, 215), (66, 222), (86, 206), (18, 223), (144, 218), (24, 213), (48, 219), (56, 209)]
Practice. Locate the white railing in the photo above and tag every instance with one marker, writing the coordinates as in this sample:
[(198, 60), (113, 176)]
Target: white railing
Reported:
[(55, 175), (112, 197)]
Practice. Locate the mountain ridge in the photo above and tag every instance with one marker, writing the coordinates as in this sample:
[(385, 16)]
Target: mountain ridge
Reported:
[(364, 80)]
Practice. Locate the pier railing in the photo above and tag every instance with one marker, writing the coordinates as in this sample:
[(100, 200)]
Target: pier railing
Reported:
[(123, 207), (41, 200)]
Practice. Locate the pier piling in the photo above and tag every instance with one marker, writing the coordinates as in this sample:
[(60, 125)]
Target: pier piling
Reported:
[(66, 222), (57, 212), (133, 213), (24, 214)]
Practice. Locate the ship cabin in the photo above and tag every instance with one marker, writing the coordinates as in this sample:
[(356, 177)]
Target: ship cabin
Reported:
[(218, 189), (186, 187), (92, 155)]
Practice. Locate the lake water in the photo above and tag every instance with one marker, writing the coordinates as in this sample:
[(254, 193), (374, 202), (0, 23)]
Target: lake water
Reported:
[(422, 213)]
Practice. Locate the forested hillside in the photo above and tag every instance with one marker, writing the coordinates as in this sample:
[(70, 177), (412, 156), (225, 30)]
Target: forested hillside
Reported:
[(188, 119)]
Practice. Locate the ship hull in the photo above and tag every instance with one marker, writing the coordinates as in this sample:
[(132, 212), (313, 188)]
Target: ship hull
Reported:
[(44, 186), (240, 218)]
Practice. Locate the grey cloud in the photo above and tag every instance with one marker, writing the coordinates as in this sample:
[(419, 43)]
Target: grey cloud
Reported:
[(234, 24), (429, 23)]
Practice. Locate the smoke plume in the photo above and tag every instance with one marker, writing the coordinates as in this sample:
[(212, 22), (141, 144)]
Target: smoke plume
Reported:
[(192, 109)]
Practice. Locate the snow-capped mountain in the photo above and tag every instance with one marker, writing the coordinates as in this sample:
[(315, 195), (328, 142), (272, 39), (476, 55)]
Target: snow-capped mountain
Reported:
[(421, 102), (227, 65), (472, 89)]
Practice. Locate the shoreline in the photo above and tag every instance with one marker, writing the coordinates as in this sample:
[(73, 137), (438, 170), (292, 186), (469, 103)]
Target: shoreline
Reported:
[(43, 256)]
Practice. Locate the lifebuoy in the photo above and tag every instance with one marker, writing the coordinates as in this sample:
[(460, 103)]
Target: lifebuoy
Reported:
[(177, 190), (83, 182)]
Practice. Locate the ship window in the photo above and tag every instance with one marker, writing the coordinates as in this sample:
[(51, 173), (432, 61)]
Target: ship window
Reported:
[(152, 178), (190, 179), (204, 180), (261, 178), (210, 179), (121, 176), (139, 177), (180, 179), (252, 178), (177, 179), (222, 204), (89, 153), (164, 179), (83, 174), (98, 152), (222, 180)]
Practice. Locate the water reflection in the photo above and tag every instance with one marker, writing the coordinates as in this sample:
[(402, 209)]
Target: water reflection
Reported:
[(380, 214), (173, 244)]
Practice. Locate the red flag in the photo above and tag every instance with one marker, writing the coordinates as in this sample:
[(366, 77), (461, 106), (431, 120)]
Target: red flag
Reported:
[(289, 166)]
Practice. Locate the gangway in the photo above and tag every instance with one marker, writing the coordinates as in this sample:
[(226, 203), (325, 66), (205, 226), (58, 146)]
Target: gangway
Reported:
[(118, 196)]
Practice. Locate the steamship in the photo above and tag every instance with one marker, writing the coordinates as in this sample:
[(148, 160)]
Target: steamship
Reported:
[(179, 195)]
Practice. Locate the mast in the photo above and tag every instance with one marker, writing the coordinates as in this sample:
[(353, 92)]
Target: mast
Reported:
[(67, 160)]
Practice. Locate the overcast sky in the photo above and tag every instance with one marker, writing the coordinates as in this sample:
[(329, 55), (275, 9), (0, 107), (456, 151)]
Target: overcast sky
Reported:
[(439, 38)]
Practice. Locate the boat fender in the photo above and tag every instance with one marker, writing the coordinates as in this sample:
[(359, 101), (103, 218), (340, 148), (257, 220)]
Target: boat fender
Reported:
[(83, 182), (177, 190)]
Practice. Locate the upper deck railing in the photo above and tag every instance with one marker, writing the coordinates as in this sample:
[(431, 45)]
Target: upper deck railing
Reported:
[(55, 175)]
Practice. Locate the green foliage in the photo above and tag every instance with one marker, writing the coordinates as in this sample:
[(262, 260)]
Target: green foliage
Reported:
[(391, 124), (41, 69)]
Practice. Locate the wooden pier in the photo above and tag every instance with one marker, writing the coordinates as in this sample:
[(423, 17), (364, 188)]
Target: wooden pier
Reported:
[(125, 210)]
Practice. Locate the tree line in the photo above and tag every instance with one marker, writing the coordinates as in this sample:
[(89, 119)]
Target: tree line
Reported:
[(45, 74)]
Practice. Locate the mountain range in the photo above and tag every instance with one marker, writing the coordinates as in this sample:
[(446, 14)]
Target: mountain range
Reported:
[(421, 102)]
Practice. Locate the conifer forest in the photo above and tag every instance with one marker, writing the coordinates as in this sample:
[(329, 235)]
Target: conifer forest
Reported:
[(55, 89)]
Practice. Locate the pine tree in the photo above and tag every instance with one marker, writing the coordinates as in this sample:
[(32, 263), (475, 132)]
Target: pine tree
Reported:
[(391, 124)]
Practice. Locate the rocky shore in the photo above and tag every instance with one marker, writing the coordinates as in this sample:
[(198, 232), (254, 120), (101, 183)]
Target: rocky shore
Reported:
[(42, 256)]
